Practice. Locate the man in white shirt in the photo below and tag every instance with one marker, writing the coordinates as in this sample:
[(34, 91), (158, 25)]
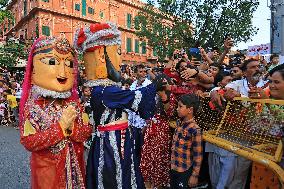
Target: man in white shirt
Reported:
[(242, 87), (135, 120)]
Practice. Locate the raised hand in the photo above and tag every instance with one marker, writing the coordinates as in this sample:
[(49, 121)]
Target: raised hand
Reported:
[(188, 73), (228, 44)]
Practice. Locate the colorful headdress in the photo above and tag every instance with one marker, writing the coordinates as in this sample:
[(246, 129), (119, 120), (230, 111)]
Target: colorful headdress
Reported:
[(97, 35), (61, 45), (41, 44)]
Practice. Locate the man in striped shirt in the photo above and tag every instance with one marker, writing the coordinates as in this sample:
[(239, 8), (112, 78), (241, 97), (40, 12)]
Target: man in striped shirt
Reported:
[(186, 154)]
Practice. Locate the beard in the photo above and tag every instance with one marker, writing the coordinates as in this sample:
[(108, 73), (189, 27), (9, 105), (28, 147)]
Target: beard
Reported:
[(112, 73)]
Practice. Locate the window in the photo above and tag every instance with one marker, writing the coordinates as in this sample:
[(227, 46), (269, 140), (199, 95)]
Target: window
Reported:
[(25, 8), (45, 31), (144, 49), (91, 10), (129, 20), (47, 1), (137, 46), (77, 7), (129, 45), (101, 14), (37, 30), (136, 23), (84, 5)]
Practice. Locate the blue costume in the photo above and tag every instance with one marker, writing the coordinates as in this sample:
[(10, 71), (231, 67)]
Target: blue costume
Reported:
[(112, 162)]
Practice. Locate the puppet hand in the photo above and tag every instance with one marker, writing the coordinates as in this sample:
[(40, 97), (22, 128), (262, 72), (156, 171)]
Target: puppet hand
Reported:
[(68, 118)]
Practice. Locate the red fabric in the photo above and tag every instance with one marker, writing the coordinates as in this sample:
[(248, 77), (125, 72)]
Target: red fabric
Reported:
[(99, 26), (81, 37), (92, 49), (186, 88), (211, 104), (48, 169), (173, 75), (115, 127), (155, 156)]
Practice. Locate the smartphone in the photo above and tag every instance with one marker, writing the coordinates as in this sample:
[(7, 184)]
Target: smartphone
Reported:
[(195, 53)]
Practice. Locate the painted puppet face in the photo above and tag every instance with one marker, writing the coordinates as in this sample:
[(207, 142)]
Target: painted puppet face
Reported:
[(53, 71), (102, 63)]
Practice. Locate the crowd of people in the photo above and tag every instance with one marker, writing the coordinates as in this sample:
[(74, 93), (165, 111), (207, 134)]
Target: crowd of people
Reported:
[(177, 80), (10, 94), (169, 146)]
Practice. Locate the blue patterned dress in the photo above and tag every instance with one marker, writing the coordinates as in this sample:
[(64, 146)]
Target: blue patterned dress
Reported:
[(111, 161)]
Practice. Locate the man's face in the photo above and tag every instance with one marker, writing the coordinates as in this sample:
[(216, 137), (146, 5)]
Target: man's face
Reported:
[(141, 74), (236, 73), (275, 60), (53, 71), (252, 69)]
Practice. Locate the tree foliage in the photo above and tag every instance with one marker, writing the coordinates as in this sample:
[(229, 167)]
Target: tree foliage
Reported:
[(12, 52), (4, 13), (171, 24)]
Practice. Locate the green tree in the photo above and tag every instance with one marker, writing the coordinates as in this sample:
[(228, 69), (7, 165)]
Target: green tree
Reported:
[(171, 24), (11, 52), (4, 13)]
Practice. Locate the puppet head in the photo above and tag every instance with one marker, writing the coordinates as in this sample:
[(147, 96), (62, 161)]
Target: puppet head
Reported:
[(100, 44), (53, 65), (51, 70)]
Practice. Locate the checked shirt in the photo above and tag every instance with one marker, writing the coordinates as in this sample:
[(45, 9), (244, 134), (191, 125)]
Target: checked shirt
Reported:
[(187, 148)]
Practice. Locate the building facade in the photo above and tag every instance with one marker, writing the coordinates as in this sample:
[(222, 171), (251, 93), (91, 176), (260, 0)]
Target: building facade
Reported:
[(34, 18)]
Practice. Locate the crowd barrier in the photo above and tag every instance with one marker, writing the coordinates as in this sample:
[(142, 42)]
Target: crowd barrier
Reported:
[(248, 127)]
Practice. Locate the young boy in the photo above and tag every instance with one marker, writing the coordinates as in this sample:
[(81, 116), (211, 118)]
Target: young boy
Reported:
[(186, 154)]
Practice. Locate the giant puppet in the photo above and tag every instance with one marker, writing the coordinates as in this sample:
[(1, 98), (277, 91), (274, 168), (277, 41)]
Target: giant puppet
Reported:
[(111, 162), (52, 124)]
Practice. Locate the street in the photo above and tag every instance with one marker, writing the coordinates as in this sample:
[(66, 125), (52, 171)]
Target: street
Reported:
[(14, 160)]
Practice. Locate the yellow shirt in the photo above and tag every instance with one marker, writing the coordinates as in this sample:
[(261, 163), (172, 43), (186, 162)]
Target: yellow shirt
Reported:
[(12, 101)]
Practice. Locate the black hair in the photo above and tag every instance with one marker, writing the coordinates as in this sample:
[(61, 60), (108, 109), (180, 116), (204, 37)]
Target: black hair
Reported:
[(215, 49), (245, 64), (127, 81), (190, 100), (179, 63), (217, 65), (8, 91), (220, 76), (139, 66), (85, 87), (273, 56), (279, 68), (159, 81)]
